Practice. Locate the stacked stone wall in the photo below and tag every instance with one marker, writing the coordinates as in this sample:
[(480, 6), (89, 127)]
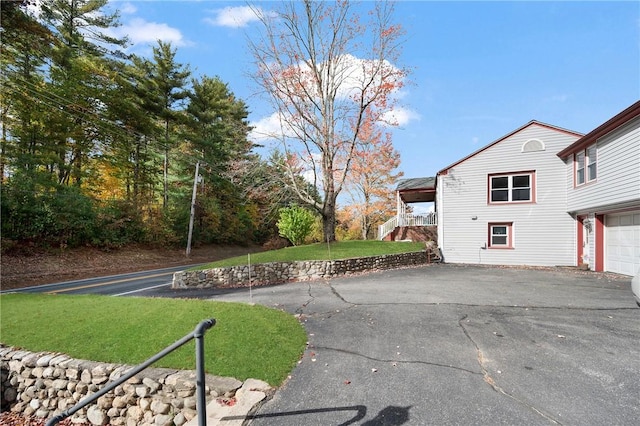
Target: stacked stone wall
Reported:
[(282, 272), (44, 384)]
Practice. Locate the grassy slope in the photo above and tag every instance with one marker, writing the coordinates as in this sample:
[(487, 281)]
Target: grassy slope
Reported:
[(322, 251), (247, 341)]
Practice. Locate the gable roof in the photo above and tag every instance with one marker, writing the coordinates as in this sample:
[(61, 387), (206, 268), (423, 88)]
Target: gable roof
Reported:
[(605, 128), (531, 123), (416, 183), (417, 190)]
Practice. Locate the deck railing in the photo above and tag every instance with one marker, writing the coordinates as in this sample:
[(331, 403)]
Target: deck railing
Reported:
[(429, 219)]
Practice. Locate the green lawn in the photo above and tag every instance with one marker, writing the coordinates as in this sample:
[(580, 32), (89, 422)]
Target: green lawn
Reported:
[(321, 251), (247, 341)]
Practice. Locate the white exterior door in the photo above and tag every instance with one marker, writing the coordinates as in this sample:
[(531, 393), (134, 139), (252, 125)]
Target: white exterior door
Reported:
[(622, 240)]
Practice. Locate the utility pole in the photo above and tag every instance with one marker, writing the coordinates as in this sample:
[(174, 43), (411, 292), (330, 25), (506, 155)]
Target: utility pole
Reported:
[(196, 179)]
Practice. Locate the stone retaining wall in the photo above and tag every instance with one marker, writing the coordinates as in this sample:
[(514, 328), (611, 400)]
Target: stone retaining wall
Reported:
[(45, 384), (281, 272)]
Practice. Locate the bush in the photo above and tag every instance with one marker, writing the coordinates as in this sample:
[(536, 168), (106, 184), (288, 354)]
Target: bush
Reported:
[(295, 224), (39, 210)]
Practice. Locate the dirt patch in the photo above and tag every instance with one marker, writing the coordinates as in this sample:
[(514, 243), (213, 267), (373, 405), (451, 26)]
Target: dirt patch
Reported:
[(45, 267)]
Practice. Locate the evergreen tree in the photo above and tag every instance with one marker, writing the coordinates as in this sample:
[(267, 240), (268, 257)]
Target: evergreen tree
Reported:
[(169, 80)]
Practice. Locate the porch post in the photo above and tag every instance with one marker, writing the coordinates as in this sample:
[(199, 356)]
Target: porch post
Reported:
[(398, 208)]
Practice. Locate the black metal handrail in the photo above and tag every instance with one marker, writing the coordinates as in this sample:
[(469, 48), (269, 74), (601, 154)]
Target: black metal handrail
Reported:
[(198, 334)]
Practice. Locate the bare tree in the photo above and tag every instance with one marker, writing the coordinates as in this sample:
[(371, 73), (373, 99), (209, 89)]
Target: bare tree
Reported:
[(325, 70)]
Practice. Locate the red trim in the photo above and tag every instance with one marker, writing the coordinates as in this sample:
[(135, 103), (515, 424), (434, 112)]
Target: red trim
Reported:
[(580, 223), (531, 123), (599, 242), (509, 226), (605, 128)]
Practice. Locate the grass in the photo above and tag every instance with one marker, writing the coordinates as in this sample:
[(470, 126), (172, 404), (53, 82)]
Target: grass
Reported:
[(247, 341), (321, 251)]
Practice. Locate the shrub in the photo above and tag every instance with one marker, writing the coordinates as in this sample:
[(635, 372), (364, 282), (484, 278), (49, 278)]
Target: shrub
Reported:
[(295, 224)]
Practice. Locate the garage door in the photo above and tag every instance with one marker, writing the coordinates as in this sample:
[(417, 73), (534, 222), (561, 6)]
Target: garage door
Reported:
[(622, 252)]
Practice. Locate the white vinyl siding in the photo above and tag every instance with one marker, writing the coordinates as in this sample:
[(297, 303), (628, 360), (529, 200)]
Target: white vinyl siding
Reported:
[(618, 172), (542, 232)]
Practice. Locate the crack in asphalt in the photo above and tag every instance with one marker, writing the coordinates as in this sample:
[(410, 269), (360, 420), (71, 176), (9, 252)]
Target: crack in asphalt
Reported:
[(491, 382), (475, 305), (480, 356), (304, 305), (327, 315), (338, 295), (433, 364)]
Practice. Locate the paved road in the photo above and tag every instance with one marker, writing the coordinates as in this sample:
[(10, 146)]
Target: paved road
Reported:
[(132, 284), (449, 344)]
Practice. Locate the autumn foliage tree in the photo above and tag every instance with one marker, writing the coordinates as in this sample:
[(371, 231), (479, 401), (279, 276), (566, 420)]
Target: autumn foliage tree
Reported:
[(95, 141), (325, 70), (372, 176)]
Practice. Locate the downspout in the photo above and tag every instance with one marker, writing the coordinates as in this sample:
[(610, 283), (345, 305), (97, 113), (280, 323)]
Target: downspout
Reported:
[(439, 213)]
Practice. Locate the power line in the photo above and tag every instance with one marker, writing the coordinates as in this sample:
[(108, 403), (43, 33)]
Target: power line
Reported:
[(55, 101)]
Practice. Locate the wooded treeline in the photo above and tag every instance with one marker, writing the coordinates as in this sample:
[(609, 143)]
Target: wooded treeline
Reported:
[(99, 147)]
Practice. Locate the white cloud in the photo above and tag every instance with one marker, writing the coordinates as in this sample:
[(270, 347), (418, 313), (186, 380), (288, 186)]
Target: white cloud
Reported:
[(266, 128), (271, 129), (400, 116), (235, 17), (354, 75), (127, 8), (141, 32)]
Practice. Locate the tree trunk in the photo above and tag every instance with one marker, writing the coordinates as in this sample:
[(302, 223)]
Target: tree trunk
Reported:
[(329, 220), (165, 179), (165, 167)]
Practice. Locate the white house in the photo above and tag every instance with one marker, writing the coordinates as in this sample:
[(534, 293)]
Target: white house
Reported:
[(506, 204), (541, 195), (602, 176)]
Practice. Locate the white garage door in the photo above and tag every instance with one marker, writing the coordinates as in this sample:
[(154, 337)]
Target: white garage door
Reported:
[(622, 252)]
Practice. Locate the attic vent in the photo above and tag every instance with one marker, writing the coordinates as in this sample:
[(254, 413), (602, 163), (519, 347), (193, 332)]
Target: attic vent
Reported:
[(533, 145)]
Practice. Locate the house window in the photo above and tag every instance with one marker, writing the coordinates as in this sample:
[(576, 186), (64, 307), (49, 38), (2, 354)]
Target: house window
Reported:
[(511, 188), (592, 165), (586, 165), (580, 168), (501, 235)]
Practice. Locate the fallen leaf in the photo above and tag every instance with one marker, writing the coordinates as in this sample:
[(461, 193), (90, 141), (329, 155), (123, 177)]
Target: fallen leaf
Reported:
[(229, 402)]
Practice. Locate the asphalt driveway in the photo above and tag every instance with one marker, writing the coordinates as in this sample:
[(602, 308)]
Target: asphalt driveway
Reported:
[(446, 344)]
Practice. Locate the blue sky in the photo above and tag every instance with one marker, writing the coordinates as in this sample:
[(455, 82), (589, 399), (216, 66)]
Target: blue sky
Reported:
[(480, 69)]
